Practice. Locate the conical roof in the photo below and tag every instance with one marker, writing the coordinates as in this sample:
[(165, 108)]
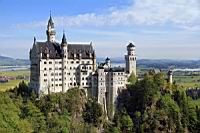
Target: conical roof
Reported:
[(131, 45)]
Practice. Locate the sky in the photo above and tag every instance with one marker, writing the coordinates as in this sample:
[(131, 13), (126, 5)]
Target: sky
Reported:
[(160, 29)]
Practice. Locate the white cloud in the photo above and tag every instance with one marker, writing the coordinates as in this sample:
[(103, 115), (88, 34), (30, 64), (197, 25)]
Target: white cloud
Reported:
[(106, 33), (182, 13)]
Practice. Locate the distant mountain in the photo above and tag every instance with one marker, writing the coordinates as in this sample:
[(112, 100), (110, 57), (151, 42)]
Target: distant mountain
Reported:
[(4, 58), (7, 61), (166, 63), (142, 63), (159, 63)]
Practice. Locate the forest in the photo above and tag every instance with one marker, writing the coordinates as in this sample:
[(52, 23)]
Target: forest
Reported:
[(149, 105)]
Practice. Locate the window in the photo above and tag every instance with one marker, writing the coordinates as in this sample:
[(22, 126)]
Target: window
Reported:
[(45, 68), (45, 80), (50, 62), (45, 62), (50, 68), (77, 62), (45, 74), (82, 83), (51, 79), (60, 79), (60, 62), (52, 74), (60, 84), (72, 62)]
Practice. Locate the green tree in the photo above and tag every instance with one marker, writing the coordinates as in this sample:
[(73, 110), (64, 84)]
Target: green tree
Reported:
[(132, 78), (58, 123), (126, 123), (34, 116), (10, 121), (93, 112)]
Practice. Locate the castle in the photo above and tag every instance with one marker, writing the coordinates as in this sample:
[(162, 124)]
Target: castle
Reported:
[(58, 67)]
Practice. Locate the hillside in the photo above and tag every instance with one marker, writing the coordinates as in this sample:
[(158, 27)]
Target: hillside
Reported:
[(166, 64), (159, 63), (142, 63), (7, 61)]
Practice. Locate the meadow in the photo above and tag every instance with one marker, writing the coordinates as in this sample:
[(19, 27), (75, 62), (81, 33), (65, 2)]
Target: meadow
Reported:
[(12, 83), (187, 81), (15, 73)]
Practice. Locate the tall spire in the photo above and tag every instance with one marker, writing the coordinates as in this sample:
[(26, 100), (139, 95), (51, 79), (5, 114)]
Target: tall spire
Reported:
[(50, 22), (34, 40), (64, 40), (50, 30)]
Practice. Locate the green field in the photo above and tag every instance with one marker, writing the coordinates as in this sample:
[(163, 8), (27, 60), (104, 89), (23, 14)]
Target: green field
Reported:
[(9, 85), (15, 73), (187, 81), (184, 81), (12, 83)]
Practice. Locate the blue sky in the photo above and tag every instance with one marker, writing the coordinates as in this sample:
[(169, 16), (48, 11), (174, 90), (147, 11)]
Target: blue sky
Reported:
[(167, 29)]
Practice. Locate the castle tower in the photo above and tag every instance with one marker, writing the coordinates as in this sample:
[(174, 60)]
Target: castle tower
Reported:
[(101, 94), (64, 64), (108, 62), (131, 59), (51, 33), (170, 75)]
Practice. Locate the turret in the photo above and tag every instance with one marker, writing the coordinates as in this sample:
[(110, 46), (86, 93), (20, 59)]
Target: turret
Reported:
[(51, 33), (108, 63), (64, 63), (170, 76), (131, 59), (34, 40), (64, 40)]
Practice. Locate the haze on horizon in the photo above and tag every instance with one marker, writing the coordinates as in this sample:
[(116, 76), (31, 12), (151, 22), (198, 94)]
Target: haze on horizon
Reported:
[(167, 29)]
